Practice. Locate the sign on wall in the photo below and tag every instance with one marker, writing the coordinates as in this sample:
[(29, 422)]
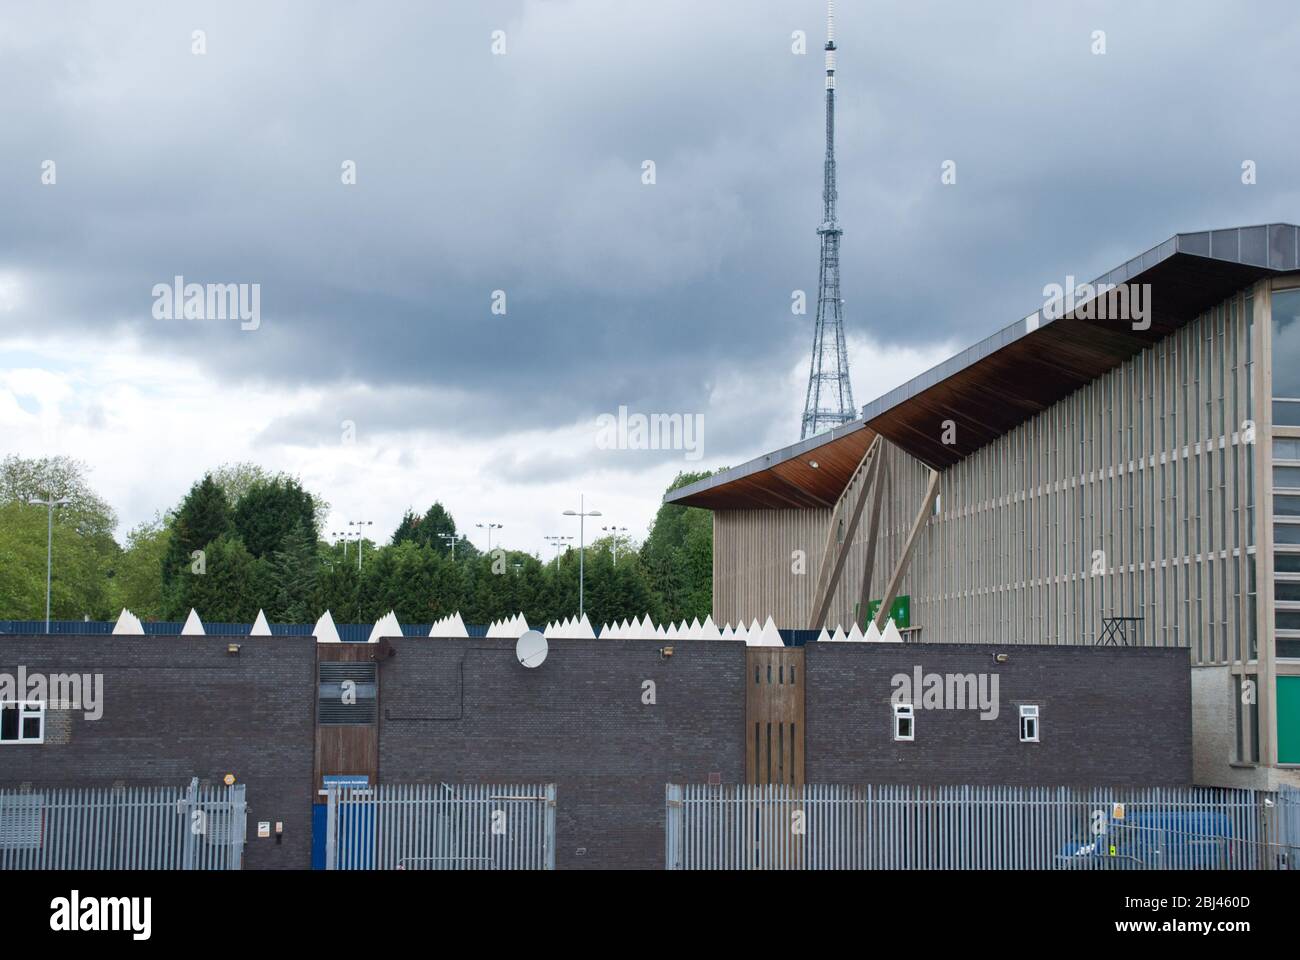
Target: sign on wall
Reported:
[(900, 612)]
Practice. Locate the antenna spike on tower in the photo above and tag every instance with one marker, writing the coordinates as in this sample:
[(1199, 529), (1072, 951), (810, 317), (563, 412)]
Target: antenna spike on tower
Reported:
[(829, 400)]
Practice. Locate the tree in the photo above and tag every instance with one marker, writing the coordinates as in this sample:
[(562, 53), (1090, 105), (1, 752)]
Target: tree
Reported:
[(61, 477), (80, 572), (427, 530), (202, 517), (678, 556), (269, 510), (137, 581), (293, 571), (226, 590), (238, 478)]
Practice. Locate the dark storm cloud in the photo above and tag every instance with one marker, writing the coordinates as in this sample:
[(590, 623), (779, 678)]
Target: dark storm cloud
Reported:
[(523, 173)]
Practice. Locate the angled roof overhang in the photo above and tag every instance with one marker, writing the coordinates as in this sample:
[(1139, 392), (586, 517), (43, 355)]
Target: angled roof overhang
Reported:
[(1005, 379)]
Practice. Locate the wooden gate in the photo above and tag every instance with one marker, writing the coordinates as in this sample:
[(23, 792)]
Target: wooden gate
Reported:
[(774, 725)]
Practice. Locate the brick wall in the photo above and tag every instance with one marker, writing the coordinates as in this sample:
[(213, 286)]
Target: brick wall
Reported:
[(578, 720), (180, 707), (1110, 716)]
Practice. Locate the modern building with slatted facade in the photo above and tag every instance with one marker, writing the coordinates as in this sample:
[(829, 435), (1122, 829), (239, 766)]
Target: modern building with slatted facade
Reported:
[(1119, 467)]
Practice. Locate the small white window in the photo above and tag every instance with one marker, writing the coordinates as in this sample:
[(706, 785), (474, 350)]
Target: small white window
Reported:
[(22, 721), (1028, 723), (904, 722)]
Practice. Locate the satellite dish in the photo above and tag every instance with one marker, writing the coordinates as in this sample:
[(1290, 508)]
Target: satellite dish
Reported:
[(531, 649)]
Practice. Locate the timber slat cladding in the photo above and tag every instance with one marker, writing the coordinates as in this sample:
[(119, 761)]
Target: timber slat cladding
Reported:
[(774, 715), (1136, 495)]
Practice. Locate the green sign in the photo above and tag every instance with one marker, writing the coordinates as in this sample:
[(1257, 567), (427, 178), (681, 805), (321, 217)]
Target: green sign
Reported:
[(900, 612)]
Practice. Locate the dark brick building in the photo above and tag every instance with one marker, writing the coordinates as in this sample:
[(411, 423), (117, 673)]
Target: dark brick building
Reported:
[(182, 707), (609, 721)]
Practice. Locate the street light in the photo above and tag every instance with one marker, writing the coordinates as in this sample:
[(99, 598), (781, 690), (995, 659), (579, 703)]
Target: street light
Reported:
[(50, 504), (452, 538), (359, 524), (489, 527), (582, 514), (557, 541), (344, 534), (613, 538)]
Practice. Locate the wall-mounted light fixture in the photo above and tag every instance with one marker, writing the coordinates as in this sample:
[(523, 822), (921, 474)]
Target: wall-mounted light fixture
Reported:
[(665, 653), (1001, 658), (232, 649)]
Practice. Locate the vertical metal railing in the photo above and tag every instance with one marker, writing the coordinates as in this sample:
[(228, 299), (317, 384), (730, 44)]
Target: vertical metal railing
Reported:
[(422, 826), (890, 826), (127, 828)]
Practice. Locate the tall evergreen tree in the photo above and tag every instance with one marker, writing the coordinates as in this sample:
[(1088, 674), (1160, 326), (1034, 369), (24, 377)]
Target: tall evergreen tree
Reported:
[(202, 517), (294, 570), (268, 512)]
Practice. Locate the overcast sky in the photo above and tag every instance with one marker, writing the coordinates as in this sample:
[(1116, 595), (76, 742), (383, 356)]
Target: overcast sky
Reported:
[(523, 172)]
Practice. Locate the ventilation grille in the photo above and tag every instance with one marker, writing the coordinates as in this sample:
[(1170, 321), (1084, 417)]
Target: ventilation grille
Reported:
[(347, 694)]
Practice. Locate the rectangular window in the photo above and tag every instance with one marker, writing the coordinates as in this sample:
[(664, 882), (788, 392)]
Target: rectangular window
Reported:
[(1028, 723), (904, 722), (1286, 448), (1286, 505), (22, 722), (1286, 533), (1286, 478)]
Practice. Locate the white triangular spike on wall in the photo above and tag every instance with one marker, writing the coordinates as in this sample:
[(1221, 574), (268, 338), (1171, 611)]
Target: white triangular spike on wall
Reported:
[(855, 635), (891, 634), (709, 630), (771, 635), (325, 631), (582, 629), (672, 631), (193, 625), (727, 633), (838, 635), (128, 623), (385, 626), (260, 627), (742, 632), (873, 633), (823, 637)]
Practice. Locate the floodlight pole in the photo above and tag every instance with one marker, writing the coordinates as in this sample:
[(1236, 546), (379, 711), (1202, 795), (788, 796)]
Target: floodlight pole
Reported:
[(360, 538), (581, 513), (493, 525), (613, 532), (49, 504)]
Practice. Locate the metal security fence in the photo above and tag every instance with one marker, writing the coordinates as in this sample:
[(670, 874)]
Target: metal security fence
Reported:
[(821, 826), (132, 828), (441, 827), (1287, 821)]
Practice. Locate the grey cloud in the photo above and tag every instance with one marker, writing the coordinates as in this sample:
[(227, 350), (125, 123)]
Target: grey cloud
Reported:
[(522, 173)]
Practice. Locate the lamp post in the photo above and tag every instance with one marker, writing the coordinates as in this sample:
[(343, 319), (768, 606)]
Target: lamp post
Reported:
[(359, 524), (452, 538), (582, 514), (489, 527), (50, 503), (613, 538), (344, 534), (557, 541)]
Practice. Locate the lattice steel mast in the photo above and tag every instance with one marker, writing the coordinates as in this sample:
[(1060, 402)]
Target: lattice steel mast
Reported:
[(830, 394)]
